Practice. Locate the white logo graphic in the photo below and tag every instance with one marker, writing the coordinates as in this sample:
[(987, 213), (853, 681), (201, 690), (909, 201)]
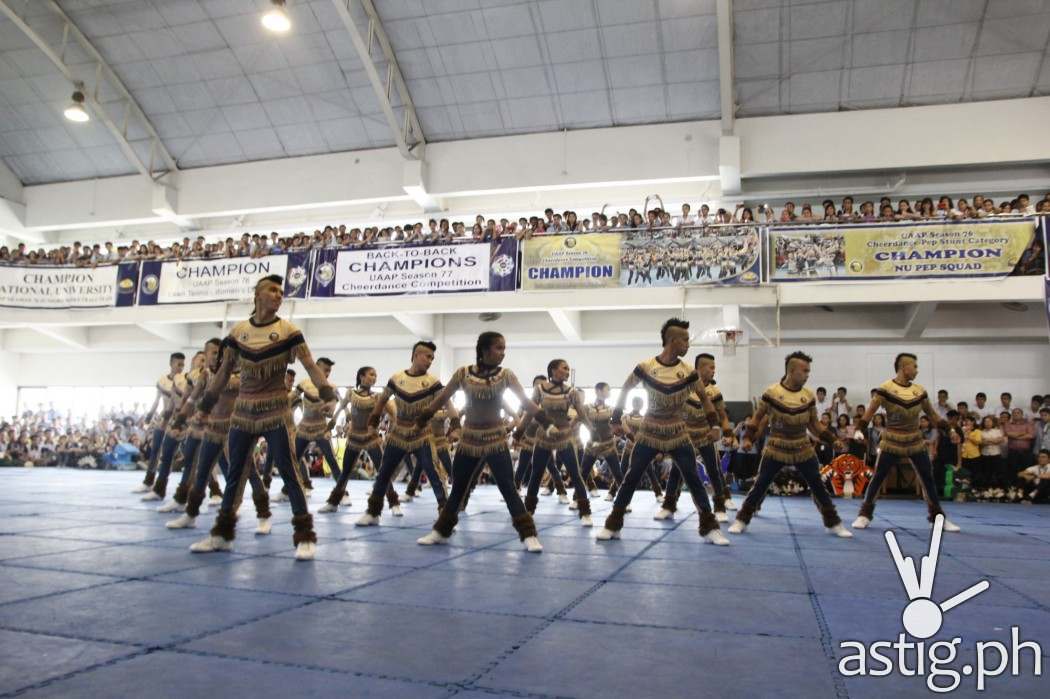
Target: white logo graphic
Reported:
[(923, 617)]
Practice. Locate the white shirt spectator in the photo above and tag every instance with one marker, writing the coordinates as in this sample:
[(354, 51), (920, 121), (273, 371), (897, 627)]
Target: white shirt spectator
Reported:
[(1040, 472)]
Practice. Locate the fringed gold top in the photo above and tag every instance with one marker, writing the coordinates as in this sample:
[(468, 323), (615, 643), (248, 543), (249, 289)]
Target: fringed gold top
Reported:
[(439, 429), (790, 412), (412, 395), (218, 424), (483, 433), (314, 422), (904, 405), (602, 439), (696, 423), (170, 388), (359, 435), (265, 351), (198, 420), (556, 401), (668, 388)]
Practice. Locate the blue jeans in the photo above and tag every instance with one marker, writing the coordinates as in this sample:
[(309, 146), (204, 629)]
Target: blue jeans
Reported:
[(167, 456), (714, 471), (392, 458), (208, 454), (612, 461), (154, 455), (240, 446), (463, 469), (767, 471), (921, 463), (543, 458), (350, 457), (642, 456)]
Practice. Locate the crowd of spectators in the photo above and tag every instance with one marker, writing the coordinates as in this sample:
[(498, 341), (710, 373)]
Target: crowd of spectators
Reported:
[(440, 231), (47, 437)]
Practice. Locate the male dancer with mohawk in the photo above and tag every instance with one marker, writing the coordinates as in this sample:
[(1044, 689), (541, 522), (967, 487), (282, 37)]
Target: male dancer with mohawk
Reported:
[(791, 409), (169, 387), (669, 383), (264, 345)]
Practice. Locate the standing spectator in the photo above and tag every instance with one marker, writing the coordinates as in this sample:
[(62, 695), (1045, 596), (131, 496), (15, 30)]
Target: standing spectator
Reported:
[(970, 452), (1020, 435), (1006, 402), (949, 440), (1033, 408), (878, 424), (1042, 429), (943, 407), (823, 404), (839, 404), (992, 442), (981, 408), (825, 453)]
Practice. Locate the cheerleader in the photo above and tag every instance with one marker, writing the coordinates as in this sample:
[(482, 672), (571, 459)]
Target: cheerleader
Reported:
[(901, 440), (603, 442), (791, 409), (669, 382), (361, 438), (484, 438), (557, 399)]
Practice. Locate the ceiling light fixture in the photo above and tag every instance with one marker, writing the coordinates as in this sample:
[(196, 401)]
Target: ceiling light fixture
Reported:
[(75, 111), (276, 20)]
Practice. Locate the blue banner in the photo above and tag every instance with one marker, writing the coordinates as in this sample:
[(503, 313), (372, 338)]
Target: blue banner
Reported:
[(503, 270), (221, 279)]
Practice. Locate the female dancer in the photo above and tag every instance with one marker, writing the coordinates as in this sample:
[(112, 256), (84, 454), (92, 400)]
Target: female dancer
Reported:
[(557, 398), (528, 446), (360, 439), (603, 441), (484, 438)]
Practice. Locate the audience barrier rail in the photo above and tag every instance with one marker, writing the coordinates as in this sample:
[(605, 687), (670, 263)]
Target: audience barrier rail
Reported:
[(714, 255)]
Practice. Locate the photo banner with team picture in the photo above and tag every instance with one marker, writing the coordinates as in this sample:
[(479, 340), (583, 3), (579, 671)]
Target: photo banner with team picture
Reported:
[(411, 269), (691, 257), (40, 286), (222, 279), (643, 259), (919, 250)]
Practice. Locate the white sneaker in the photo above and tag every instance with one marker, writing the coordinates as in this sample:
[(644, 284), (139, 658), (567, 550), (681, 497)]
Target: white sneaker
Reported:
[(606, 534), (716, 537), (215, 499), (307, 492), (609, 497), (586, 521), (264, 526), (150, 497), (305, 551), (840, 531), (563, 499), (950, 526), (346, 500), (532, 544), (574, 505), (281, 496), (140, 488), (367, 520), (406, 498), (721, 517), (737, 527), (183, 521), (546, 492), (327, 507), (210, 544), (432, 537), (861, 522), (730, 505), (593, 493), (396, 511), (170, 506), (662, 514)]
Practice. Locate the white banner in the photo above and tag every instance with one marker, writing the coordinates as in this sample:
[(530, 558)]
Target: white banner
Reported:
[(413, 270), (229, 279), (59, 287)]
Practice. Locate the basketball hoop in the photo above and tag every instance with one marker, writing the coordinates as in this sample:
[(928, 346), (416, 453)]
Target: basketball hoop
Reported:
[(729, 338)]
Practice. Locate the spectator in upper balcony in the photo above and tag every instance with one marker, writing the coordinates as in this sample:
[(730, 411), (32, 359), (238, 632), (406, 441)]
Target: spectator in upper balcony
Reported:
[(904, 211), (831, 215), (846, 213), (1044, 206), (944, 207), (704, 217), (867, 212), (687, 218), (807, 214), (787, 215), (1024, 205), (887, 213), (548, 217), (572, 224)]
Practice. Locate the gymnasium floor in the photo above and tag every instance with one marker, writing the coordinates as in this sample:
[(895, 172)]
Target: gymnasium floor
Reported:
[(98, 599)]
